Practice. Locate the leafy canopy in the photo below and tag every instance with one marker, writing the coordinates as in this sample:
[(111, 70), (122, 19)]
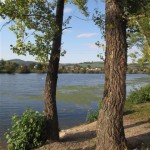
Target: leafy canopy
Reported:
[(34, 24), (137, 14)]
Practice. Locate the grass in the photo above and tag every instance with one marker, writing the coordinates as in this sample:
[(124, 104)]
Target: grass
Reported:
[(92, 64), (137, 111), (137, 105)]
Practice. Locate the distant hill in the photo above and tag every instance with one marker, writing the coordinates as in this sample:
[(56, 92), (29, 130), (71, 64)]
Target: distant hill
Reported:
[(84, 64), (92, 64), (136, 65), (22, 62)]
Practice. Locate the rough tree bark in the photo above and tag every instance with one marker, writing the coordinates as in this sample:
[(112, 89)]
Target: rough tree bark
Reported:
[(51, 79), (110, 130)]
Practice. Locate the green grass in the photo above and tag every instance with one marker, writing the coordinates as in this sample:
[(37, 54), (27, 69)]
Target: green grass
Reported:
[(137, 105), (137, 111), (92, 64), (136, 65)]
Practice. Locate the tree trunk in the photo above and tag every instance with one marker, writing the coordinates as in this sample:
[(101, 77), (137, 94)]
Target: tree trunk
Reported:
[(51, 79), (110, 130)]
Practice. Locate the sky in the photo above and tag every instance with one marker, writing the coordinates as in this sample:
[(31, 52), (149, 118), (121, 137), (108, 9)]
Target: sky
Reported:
[(78, 41)]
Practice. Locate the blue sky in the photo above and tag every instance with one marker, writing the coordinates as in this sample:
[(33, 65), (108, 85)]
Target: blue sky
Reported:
[(78, 41)]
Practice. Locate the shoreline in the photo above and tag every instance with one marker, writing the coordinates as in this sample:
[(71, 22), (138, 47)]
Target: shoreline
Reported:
[(84, 136), (137, 132)]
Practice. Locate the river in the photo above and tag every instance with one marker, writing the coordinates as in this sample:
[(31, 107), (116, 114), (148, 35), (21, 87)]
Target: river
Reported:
[(76, 95)]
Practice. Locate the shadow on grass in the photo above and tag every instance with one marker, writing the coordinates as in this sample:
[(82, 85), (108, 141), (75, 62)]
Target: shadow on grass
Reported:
[(137, 124), (88, 148), (127, 112), (81, 136), (139, 142)]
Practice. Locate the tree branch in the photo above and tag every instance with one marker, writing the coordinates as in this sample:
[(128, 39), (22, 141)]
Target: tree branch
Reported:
[(66, 28), (5, 24), (82, 18)]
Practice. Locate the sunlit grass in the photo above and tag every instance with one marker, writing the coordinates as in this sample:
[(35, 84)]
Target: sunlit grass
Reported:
[(139, 111)]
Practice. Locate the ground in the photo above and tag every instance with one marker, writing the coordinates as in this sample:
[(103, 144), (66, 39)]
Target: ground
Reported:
[(137, 131)]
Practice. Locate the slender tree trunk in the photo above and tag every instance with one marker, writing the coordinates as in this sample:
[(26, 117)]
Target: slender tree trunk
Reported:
[(110, 130), (51, 79)]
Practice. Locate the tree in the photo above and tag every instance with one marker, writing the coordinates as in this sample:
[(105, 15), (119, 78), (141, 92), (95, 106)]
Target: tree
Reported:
[(110, 130), (23, 69), (2, 65), (139, 27), (52, 75), (110, 125), (39, 17)]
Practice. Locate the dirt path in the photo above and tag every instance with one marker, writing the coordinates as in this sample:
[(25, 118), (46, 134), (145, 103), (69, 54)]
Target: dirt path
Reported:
[(83, 137)]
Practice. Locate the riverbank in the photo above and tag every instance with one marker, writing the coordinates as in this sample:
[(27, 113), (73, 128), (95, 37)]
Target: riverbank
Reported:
[(137, 131)]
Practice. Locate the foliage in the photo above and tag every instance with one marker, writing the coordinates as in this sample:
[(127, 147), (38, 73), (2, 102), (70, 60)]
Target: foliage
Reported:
[(23, 69), (81, 4), (137, 14), (31, 19), (8, 67), (99, 20), (92, 116), (86, 67), (145, 55), (27, 132), (34, 24), (137, 96), (141, 95)]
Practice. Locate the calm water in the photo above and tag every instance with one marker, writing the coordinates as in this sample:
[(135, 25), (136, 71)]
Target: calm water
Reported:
[(21, 91)]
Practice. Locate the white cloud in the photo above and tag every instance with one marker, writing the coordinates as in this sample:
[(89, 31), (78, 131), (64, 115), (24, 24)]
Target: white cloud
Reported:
[(67, 10), (2, 1), (87, 35), (93, 46), (67, 31)]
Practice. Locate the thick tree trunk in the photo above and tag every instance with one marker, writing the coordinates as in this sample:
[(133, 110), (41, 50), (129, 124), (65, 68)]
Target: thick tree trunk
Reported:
[(51, 79), (110, 130)]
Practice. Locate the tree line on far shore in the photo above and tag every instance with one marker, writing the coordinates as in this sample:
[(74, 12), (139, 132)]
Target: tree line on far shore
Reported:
[(13, 67)]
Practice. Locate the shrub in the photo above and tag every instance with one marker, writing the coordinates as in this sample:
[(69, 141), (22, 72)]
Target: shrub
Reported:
[(141, 95), (27, 132), (92, 116)]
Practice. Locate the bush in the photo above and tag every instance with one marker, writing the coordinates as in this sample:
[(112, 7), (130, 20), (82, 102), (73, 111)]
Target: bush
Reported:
[(27, 132), (137, 96), (141, 95), (92, 116)]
